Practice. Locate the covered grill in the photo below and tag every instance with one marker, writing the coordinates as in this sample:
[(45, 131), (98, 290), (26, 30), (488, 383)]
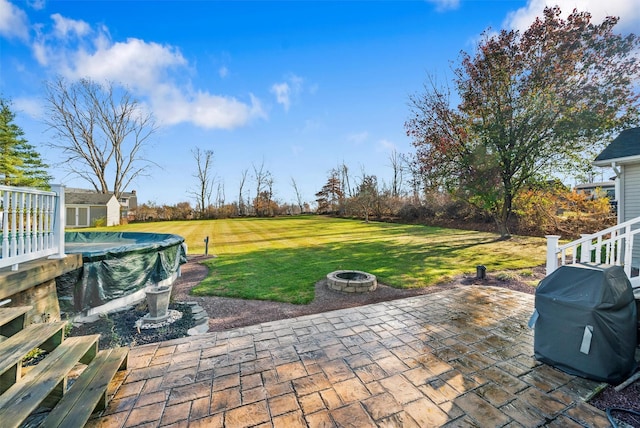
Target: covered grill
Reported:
[(585, 322)]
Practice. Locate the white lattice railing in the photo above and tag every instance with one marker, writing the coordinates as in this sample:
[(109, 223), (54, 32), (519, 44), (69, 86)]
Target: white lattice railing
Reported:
[(31, 224), (613, 246)]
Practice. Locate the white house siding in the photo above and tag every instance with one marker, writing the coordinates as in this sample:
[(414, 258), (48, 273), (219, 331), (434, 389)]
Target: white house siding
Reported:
[(113, 212), (630, 183)]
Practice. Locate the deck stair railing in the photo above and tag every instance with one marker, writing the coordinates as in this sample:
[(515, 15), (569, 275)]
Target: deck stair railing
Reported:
[(613, 246), (32, 224)]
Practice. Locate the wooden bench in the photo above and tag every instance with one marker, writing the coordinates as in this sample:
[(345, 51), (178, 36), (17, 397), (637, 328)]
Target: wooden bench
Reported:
[(46, 383), (89, 392)]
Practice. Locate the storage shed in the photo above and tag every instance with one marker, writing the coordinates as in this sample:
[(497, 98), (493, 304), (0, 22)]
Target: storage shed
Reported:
[(83, 209)]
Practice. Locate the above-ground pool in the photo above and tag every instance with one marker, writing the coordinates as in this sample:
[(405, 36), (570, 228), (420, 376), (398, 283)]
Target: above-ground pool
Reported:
[(117, 267)]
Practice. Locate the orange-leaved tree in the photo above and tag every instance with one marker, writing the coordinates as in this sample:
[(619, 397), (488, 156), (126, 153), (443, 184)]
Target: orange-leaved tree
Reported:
[(529, 104)]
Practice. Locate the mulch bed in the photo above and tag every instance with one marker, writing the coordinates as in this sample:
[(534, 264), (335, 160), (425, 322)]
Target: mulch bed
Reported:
[(119, 328)]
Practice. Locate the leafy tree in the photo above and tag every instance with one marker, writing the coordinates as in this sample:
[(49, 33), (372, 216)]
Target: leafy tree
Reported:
[(20, 163), (329, 197), (264, 204), (367, 196), (102, 130), (529, 103)]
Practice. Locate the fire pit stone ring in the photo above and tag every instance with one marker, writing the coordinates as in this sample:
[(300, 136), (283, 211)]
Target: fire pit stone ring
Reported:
[(352, 281)]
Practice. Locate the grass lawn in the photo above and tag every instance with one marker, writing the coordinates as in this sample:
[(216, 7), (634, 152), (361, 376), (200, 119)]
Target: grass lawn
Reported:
[(282, 258)]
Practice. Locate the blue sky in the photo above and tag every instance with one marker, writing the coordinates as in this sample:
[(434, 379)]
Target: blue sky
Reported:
[(297, 86)]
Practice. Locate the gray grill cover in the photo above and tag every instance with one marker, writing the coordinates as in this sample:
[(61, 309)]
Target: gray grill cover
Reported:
[(586, 322)]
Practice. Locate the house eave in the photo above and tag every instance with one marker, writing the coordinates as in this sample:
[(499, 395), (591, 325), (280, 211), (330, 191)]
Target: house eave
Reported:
[(617, 161)]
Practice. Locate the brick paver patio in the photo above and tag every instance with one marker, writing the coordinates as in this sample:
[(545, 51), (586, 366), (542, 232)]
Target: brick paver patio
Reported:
[(462, 357)]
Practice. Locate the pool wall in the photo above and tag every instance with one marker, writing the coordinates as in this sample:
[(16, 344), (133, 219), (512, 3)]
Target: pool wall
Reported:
[(117, 267)]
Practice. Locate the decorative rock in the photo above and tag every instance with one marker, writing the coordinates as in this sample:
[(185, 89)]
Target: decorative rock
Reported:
[(146, 323), (200, 319), (204, 320), (199, 329)]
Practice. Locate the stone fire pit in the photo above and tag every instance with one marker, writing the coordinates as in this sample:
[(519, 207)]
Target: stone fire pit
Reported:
[(352, 281)]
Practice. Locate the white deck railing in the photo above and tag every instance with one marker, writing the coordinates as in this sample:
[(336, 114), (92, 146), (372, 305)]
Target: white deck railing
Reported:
[(613, 246), (31, 224)]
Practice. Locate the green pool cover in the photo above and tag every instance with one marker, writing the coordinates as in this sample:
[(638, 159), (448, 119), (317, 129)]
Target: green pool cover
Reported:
[(116, 264)]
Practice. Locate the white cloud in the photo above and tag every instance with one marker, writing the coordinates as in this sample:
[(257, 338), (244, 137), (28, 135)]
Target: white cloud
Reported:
[(135, 62), (36, 4), (31, 106), (386, 146), (203, 109), (628, 12), (358, 138), (311, 126), (65, 27), (223, 71), (442, 5), (13, 21), (156, 74), (285, 91), (282, 91)]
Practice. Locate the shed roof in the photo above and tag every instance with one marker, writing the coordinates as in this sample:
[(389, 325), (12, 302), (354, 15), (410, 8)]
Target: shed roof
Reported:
[(625, 145), (88, 198)]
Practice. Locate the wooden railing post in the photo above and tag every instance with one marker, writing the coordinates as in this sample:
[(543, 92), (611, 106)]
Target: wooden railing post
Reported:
[(552, 252)]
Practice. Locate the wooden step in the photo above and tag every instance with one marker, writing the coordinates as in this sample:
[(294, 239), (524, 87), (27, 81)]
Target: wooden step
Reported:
[(45, 336), (46, 383), (89, 392), (12, 320)]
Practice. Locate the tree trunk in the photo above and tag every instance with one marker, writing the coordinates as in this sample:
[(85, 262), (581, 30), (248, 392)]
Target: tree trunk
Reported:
[(502, 220)]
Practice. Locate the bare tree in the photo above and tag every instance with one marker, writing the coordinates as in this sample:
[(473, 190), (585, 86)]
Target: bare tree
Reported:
[(270, 205), (346, 186), (102, 132), (344, 179), (220, 195), (298, 195), (397, 167), (262, 202), (204, 162), (241, 204)]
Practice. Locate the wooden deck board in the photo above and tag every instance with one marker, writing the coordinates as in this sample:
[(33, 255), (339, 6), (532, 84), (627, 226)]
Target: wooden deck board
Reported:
[(12, 350), (12, 320), (89, 392), (45, 382)]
